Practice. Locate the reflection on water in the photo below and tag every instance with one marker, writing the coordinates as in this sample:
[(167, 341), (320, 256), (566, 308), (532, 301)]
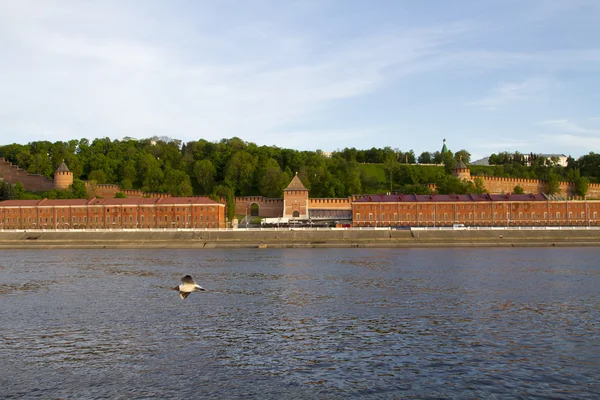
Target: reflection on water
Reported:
[(300, 323)]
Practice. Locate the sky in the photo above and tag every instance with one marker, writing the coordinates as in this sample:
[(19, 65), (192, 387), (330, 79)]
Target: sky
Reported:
[(488, 76)]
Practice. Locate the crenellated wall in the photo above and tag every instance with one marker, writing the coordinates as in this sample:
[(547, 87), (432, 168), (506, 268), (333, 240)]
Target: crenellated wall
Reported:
[(499, 185), (331, 203), (108, 191), (31, 182), (267, 207)]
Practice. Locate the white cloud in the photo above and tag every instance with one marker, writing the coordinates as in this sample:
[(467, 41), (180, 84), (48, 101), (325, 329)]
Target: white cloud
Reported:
[(571, 144), (569, 127), (116, 84), (510, 94)]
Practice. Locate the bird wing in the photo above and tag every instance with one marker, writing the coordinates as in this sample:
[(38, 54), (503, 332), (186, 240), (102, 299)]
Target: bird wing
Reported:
[(187, 279), (183, 295)]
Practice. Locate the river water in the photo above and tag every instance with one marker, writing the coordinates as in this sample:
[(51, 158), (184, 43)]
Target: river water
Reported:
[(301, 323)]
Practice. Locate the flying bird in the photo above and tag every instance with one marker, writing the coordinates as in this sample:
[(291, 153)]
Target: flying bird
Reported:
[(187, 286)]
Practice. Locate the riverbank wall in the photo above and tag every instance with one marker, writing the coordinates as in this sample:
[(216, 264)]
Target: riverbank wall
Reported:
[(343, 238)]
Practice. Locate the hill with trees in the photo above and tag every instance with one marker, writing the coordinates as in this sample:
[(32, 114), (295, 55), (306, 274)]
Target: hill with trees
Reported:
[(233, 167)]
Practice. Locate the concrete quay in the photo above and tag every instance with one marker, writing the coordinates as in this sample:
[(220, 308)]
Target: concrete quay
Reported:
[(298, 238)]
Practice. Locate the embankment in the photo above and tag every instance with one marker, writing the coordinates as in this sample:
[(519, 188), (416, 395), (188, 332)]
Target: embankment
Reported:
[(297, 238)]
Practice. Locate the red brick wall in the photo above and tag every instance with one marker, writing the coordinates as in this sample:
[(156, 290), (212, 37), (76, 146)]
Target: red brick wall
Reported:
[(497, 185), (113, 216), (31, 182), (333, 204), (267, 207), (295, 201), (532, 213)]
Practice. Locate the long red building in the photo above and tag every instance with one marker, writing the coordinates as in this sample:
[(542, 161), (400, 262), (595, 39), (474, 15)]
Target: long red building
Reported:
[(167, 212), (473, 210)]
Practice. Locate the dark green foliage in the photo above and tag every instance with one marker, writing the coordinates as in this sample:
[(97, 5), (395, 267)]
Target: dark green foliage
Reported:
[(518, 190), (425, 158), (78, 189), (18, 190), (463, 155), (161, 164), (120, 195), (223, 191), (552, 184), (7, 191)]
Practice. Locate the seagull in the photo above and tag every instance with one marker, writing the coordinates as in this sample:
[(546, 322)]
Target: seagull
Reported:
[(187, 286)]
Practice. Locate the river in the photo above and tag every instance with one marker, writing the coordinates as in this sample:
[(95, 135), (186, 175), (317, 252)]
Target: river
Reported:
[(301, 323)]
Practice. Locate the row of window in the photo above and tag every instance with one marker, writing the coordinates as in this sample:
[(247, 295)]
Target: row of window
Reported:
[(177, 218), (386, 207), (96, 210), (452, 217)]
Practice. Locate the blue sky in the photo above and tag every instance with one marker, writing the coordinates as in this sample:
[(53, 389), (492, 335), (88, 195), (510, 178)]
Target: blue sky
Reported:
[(489, 76)]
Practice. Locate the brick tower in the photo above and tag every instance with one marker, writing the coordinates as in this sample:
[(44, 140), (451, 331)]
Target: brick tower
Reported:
[(63, 178), (295, 200), (461, 171)]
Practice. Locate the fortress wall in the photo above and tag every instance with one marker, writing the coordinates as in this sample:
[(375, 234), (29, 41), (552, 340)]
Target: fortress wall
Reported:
[(333, 203), (31, 182), (108, 191), (267, 207), (499, 185), (594, 191)]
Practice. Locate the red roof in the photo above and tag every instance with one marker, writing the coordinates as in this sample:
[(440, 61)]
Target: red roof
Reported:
[(44, 203), (296, 184), (448, 198), (110, 202)]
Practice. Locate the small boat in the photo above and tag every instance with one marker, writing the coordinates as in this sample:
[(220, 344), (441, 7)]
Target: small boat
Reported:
[(262, 246)]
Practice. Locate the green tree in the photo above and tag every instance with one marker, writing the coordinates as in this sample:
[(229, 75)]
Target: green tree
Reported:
[(240, 170), (449, 162), (479, 185), (97, 175), (78, 189), (177, 183), (120, 195), (19, 190), (205, 172), (223, 191), (518, 190), (582, 184), (272, 180), (463, 155), (390, 165), (7, 191), (425, 158), (553, 184)]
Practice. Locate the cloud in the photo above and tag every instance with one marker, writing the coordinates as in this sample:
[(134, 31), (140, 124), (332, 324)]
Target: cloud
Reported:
[(266, 73), (249, 81), (509, 94), (569, 127), (571, 144)]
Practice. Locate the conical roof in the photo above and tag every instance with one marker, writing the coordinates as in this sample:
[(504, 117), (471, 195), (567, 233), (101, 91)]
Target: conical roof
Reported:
[(444, 148), (62, 167), (296, 184), (461, 164)]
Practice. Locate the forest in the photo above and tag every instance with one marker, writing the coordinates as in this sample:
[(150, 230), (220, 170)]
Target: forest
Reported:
[(233, 167)]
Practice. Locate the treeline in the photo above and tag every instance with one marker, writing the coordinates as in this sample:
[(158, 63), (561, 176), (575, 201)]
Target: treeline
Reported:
[(234, 167), (230, 166)]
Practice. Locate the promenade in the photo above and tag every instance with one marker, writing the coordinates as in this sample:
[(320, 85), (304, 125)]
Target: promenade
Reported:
[(300, 238)]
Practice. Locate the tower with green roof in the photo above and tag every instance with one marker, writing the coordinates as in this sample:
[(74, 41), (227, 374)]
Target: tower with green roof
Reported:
[(444, 148)]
